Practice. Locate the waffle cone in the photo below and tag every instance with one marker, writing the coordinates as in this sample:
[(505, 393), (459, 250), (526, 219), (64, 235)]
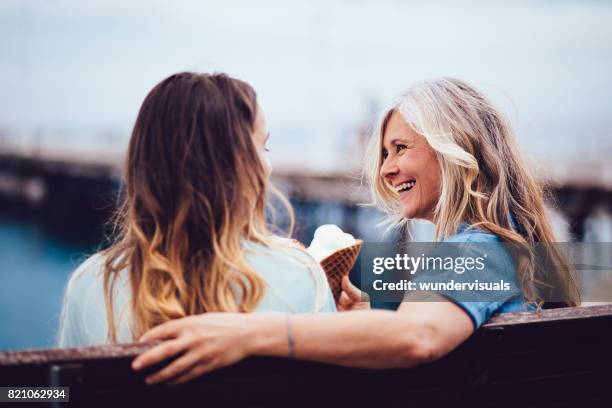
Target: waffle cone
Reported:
[(339, 264)]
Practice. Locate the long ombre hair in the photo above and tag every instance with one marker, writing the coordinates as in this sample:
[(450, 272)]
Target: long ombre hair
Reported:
[(194, 190), (484, 180)]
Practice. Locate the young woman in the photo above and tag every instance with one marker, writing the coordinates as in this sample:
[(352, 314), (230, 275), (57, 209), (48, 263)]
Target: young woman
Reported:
[(192, 228), (441, 153)]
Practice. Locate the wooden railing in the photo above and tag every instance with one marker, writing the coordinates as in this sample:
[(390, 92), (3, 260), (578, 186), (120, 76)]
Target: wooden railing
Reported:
[(552, 358)]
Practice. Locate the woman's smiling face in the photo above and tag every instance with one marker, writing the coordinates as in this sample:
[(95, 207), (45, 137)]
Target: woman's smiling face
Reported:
[(410, 167)]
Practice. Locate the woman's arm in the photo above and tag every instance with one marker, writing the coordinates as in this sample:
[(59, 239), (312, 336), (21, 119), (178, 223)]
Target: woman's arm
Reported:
[(418, 332)]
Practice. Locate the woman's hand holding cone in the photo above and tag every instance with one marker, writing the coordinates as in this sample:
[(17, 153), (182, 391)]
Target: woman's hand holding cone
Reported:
[(352, 298)]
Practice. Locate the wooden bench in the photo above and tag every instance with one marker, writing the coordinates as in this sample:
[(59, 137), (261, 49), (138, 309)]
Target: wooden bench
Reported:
[(552, 358)]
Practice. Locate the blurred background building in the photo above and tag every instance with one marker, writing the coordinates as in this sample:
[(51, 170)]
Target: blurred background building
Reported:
[(74, 73)]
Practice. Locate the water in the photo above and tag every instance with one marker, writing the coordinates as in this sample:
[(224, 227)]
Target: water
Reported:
[(35, 267)]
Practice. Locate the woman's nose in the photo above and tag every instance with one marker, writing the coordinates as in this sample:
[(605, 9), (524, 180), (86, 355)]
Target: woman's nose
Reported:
[(388, 169)]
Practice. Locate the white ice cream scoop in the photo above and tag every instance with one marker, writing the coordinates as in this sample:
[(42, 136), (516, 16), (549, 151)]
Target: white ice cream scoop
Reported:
[(328, 239)]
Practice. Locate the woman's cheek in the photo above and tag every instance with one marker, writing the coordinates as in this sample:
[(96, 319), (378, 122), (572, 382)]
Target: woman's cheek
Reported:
[(267, 164)]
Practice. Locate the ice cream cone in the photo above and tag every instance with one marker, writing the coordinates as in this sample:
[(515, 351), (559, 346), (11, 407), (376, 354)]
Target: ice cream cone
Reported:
[(339, 264)]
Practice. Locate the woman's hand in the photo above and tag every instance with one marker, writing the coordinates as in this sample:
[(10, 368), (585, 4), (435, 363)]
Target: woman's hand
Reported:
[(352, 298), (201, 344)]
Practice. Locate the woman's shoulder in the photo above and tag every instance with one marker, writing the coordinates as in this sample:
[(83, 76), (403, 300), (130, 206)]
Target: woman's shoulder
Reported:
[(498, 266), (85, 287), (88, 272), (292, 274), (281, 254), (91, 272), (469, 233), (80, 291), (83, 320), (281, 249), (473, 241)]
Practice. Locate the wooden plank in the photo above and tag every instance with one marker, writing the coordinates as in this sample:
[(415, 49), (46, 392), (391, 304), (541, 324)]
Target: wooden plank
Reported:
[(26, 357), (567, 313)]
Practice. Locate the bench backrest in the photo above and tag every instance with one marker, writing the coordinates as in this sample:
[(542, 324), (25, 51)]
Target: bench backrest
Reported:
[(552, 358)]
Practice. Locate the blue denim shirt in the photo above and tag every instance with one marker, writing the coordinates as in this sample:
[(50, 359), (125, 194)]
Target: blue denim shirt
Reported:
[(499, 266)]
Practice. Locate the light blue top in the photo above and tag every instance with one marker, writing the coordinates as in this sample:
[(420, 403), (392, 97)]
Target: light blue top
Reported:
[(500, 266), (295, 284)]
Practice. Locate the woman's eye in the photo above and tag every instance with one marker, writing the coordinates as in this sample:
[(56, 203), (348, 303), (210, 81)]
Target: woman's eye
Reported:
[(266, 148), (384, 154), (400, 147)]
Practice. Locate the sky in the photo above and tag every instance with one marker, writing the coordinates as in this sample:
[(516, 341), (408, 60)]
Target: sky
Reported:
[(74, 73)]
